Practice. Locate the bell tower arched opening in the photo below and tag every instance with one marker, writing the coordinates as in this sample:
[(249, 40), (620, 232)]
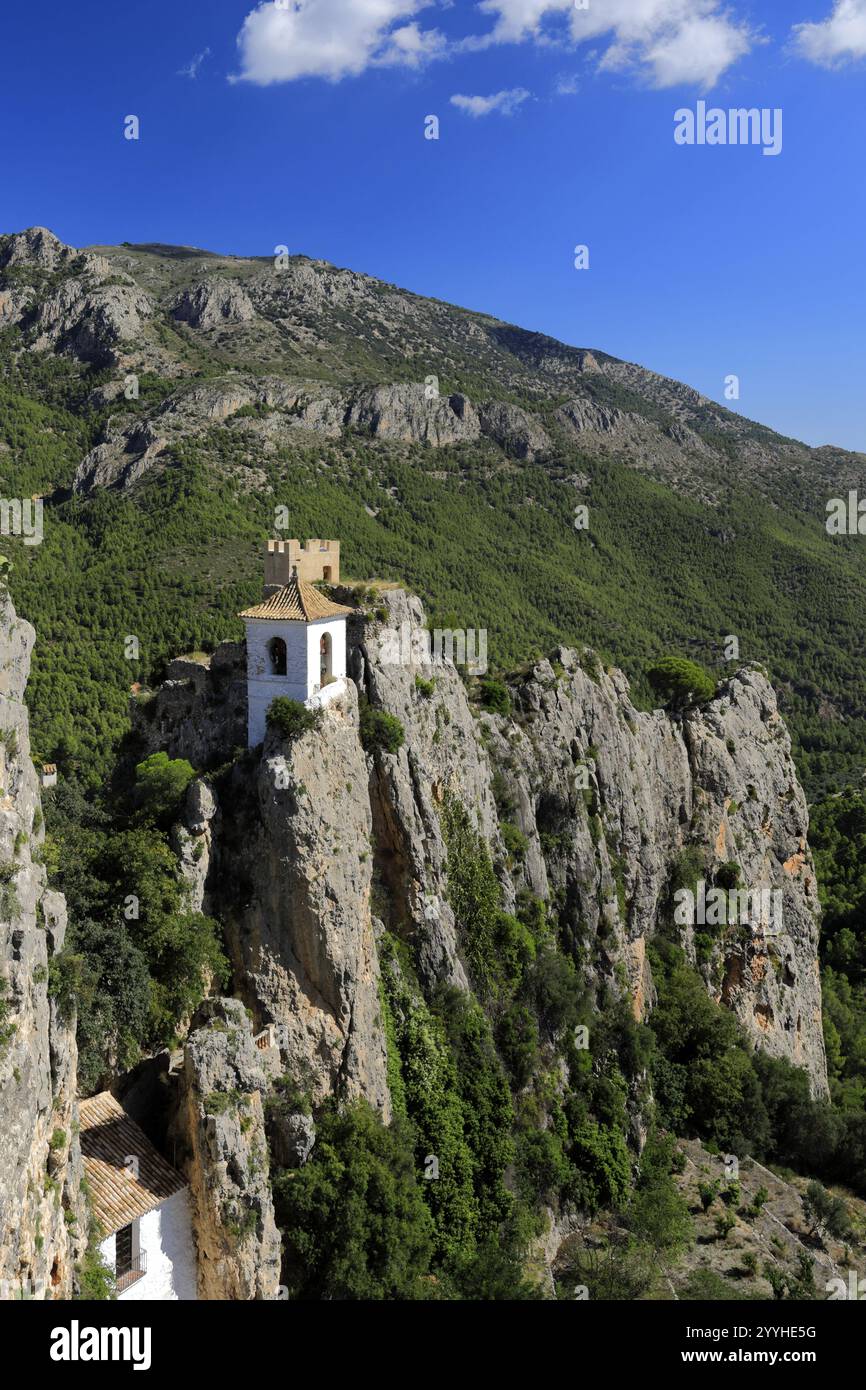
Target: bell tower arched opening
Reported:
[(277, 656)]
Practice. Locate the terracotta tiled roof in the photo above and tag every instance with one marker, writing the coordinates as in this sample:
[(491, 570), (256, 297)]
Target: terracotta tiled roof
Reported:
[(298, 601), (109, 1137)]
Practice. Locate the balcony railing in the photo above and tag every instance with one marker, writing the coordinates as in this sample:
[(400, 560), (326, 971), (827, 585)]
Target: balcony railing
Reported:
[(134, 1271)]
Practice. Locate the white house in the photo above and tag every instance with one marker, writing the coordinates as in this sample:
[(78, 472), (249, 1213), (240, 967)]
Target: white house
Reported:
[(296, 646), (141, 1205)]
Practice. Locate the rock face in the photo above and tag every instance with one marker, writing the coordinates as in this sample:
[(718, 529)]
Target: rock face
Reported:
[(274, 410), (219, 1125), (441, 755), (211, 303), (280, 848), (611, 800), (91, 320), (517, 433), (42, 1219), (296, 834), (618, 809), (407, 414)]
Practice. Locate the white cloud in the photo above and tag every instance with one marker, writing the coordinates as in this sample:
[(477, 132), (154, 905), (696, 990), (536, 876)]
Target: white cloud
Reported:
[(670, 41), (192, 67), (505, 103), (332, 39), (411, 46), (839, 39)]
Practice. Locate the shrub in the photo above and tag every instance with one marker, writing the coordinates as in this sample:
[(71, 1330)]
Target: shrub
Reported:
[(657, 1213), (517, 1039), (494, 695), (620, 1272), (514, 840), (291, 718), (380, 730), (825, 1213), (708, 1192), (601, 1165)]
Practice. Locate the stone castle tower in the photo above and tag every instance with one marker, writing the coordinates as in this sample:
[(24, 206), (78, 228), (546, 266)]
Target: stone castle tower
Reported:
[(313, 561), (296, 637)]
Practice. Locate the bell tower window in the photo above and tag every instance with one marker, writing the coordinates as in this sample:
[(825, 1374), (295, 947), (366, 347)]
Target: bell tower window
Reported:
[(277, 655), (325, 658)]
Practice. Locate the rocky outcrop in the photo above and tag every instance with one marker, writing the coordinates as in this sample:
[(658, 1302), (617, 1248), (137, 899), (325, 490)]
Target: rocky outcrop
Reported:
[(408, 414), (200, 710), (517, 433), (212, 303), (219, 1126), (296, 834), (36, 247), (95, 324), (614, 803), (279, 847), (615, 807), (42, 1219), (441, 756)]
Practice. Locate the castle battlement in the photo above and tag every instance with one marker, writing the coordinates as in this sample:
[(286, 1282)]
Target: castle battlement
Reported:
[(313, 560)]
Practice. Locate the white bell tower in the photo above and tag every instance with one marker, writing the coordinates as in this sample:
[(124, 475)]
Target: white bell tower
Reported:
[(296, 646)]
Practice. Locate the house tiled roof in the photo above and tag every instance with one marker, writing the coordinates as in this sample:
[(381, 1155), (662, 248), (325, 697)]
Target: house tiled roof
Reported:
[(119, 1194), (297, 601)]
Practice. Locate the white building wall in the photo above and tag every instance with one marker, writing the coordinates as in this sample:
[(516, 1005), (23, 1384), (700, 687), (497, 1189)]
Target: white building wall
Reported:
[(262, 685), (301, 681), (165, 1235)]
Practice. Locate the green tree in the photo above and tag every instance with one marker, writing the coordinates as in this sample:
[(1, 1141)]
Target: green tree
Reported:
[(160, 782), (354, 1222), (680, 682)]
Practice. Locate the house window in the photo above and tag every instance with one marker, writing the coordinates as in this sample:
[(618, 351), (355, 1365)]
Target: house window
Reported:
[(130, 1263), (277, 654), (123, 1251)]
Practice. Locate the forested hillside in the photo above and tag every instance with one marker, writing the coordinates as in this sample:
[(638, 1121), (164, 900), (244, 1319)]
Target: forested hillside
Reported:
[(700, 525)]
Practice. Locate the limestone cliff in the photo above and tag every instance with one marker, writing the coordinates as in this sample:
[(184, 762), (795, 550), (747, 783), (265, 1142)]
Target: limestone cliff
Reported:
[(219, 1127), (716, 791), (617, 808), (42, 1220)]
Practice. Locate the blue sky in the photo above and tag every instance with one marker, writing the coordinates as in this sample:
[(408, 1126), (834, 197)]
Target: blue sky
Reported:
[(305, 126)]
